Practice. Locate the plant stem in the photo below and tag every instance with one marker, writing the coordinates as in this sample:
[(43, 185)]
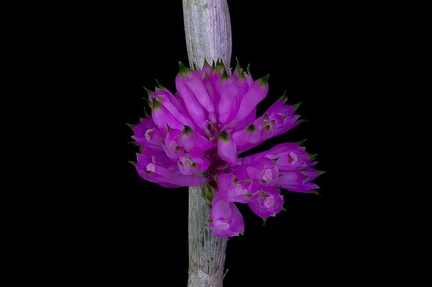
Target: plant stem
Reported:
[(208, 37), (206, 251), (208, 31)]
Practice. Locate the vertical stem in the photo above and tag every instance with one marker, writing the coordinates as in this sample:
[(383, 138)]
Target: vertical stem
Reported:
[(208, 31), (206, 251), (208, 36)]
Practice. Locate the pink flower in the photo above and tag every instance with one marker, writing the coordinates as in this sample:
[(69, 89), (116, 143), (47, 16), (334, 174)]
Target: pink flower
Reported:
[(196, 136)]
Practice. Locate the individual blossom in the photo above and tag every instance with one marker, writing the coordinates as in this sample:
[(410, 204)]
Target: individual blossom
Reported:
[(226, 219), (196, 137)]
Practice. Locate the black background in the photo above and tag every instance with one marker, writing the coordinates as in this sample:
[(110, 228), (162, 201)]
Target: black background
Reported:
[(75, 213)]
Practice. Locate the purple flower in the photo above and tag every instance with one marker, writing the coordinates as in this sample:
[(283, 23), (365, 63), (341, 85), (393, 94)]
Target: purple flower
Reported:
[(226, 219), (196, 136), (266, 202)]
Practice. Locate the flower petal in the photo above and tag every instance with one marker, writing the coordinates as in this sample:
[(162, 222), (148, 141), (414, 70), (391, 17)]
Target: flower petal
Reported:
[(229, 103), (194, 142), (250, 100), (193, 106), (227, 150)]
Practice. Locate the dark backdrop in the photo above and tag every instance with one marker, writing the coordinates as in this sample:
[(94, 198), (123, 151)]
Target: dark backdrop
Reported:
[(75, 213)]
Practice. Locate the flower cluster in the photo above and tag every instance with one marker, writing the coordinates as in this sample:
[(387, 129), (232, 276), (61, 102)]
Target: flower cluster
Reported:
[(195, 137)]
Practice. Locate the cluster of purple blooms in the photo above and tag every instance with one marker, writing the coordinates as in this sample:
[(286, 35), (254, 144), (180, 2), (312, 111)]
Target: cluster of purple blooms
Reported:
[(195, 136)]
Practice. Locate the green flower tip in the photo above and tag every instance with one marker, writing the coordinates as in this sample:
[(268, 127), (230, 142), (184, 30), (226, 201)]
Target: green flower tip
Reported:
[(302, 121), (312, 156), (297, 105), (218, 66), (237, 67), (187, 130), (159, 85), (248, 69), (130, 126), (264, 80), (320, 172), (149, 103), (146, 114), (283, 97), (224, 136), (206, 63), (301, 142), (316, 192), (132, 162), (156, 105), (225, 76), (149, 92), (251, 128), (183, 70)]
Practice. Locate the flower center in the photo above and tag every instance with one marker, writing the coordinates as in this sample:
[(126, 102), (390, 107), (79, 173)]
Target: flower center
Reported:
[(151, 167), (149, 134), (221, 224), (292, 157), (239, 190), (268, 201), (267, 174)]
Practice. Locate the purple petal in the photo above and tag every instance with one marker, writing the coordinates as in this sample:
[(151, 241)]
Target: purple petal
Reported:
[(297, 181), (226, 219), (250, 100), (211, 82), (226, 148), (147, 134), (173, 106), (246, 121), (193, 106), (193, 81), (250, 136), (194, 142), (229, 100), (163, 118), (244, 82)]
